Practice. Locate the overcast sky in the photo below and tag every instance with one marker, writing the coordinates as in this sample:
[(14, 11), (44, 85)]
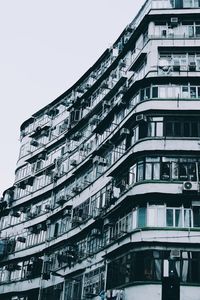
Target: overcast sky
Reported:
[(45, 46)]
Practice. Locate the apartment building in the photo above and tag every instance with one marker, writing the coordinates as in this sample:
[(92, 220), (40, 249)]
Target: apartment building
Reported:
[(106, 198)]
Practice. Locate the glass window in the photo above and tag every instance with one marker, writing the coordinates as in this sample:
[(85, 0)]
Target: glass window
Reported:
[(140, 172), (155, 92), (169, 217), (193, 92), (185, 92), (142, 217), (183, 171), (161, 216), (156, 171), (177, 129), (151, 128), (152, 216), (159, 129), (148, 171), (187, 3), (197, 31), (187, 218), (186, 129), (169, 129), (148, 93), (141, 95), (178, 218), (165, 171), (194, 129), (196, 216)]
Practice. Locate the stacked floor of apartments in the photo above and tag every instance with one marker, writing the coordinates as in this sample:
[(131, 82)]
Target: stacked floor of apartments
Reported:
[(106, 195)]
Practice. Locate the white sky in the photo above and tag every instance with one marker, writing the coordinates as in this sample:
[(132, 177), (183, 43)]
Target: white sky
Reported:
[(45, 46)]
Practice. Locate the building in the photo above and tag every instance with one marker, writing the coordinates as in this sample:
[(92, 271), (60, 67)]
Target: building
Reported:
[(106, 196)]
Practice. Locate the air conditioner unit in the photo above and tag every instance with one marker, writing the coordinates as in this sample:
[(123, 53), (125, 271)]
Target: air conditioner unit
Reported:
[(96, 212), (73, 162), (121, 102), (122, 64), (94, 120), (106, 104), (176, 66), (15, 214), (55, 176), (190, 186), (21, 239), (34, 143), (174, 22), (104, 85), (76, 189), (175, 253), (141, 118), (42, 155), (124, 131), (83, 147), (93, 75), (99, 160), (44, 132), (39, 226), (116, 192), (77, 136), (47, 207), (58, 287), (90, 295), (30, 215), (95, 232), (80, 90), (22, 185), (114, 75), (38, 129), (23, 133), (192, 66), (48, 222), (77, 219), (52, 112), (68, 148), (68, 211), (61, 200), (13, 267)]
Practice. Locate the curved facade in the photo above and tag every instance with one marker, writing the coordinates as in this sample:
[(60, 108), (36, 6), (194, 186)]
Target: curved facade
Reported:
[(105, 202)]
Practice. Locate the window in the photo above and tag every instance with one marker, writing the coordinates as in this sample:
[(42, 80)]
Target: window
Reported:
[(142, 217), (181, 127), (155, 92), (179, 217), (94, 281), (196, 216), (148, 266)]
